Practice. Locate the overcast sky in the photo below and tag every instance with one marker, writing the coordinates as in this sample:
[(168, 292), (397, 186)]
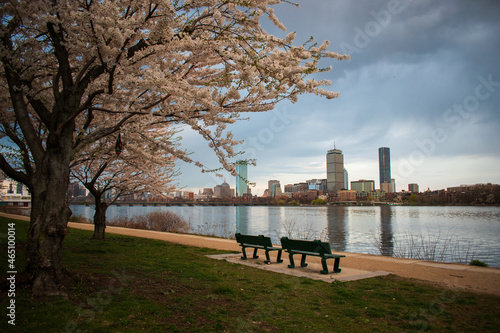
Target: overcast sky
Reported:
[(423, 80)]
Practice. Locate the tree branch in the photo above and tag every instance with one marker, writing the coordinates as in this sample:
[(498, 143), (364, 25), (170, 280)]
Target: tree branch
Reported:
[(14, 174), (62, 55), (22, 115), (101, 133)]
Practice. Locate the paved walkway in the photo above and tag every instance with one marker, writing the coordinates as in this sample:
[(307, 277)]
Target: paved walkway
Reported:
[(354, 266)]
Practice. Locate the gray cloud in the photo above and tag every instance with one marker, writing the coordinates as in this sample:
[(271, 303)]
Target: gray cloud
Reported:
[(417, 67)]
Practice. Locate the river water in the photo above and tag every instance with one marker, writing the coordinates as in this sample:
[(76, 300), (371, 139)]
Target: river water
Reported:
[(450, 234)]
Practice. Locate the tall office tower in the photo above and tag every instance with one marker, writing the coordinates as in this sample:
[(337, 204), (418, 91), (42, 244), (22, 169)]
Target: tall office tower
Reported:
[(241, 179), (273, 187), (346, 180), (334, 170), (384, 162)]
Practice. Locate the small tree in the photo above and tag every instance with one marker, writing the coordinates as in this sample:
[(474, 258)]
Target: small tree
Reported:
[(413, 200), (108, 168), (319, 202)]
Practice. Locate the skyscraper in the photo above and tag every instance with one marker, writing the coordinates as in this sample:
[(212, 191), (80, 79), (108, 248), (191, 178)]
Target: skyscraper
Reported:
[(334, 170), (222, 191), (241, 179), (413, 188), (273, 188), (384, 162)]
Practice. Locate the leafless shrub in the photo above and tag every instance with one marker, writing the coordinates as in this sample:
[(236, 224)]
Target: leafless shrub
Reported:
[(79, 219), (167, 221), (139, 222), (430, 247), (323, 236), (24, 211), (158, 221), (291, 229), (214, 229)]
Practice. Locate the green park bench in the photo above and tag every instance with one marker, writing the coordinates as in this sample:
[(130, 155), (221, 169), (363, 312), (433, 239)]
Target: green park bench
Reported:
[(310, 248), (257, 242)]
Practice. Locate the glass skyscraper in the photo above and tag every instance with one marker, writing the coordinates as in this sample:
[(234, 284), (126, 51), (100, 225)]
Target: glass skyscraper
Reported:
[(384, 162), (241, 179)]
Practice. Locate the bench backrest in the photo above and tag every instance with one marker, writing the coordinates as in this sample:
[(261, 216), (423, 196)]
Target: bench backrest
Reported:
[(315, 246), (254, 240)]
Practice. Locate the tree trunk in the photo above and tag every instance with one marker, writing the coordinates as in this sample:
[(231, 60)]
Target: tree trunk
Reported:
[(48, 226), (49, 217), (100, 218)]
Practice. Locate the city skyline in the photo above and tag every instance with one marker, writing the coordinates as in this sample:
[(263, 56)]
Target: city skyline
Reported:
[(423, 79), (334, 161)]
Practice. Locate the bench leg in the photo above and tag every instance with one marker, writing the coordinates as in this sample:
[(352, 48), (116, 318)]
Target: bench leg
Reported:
[(244, 257), (336, 268), (292, 263), (279, 257), (255, 256), (303, 261), (325, 267), (268, 258)]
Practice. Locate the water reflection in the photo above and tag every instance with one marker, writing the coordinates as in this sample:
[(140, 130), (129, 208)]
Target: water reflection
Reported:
[(414, 213), (336, 224), (242, 219), (386, 241), (275, 218)]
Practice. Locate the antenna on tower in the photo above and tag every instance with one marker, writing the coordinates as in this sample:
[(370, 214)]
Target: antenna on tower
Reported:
[(334, 145)]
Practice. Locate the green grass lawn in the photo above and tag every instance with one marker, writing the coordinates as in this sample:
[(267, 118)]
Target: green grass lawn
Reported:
[(128, 284)]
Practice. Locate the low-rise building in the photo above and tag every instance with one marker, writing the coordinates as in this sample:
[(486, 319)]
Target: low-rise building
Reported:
[(222, 191), (467, 188), (346, 195), (363, 186), (13, 193)]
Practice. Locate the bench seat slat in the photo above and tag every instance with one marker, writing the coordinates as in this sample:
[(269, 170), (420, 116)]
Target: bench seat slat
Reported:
[(260, 246), (326, 255)]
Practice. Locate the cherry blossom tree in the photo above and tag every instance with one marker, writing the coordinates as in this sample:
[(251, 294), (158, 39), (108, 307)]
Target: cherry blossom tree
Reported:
[(77, 71), (134, 164)]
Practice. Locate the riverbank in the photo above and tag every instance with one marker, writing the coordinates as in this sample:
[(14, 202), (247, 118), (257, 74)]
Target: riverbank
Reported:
[(455, 234), (354, 265), (464, 277), (132, 284)]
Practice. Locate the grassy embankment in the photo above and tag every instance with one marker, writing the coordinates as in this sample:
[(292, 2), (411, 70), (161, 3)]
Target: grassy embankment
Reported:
[(127, 284)]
